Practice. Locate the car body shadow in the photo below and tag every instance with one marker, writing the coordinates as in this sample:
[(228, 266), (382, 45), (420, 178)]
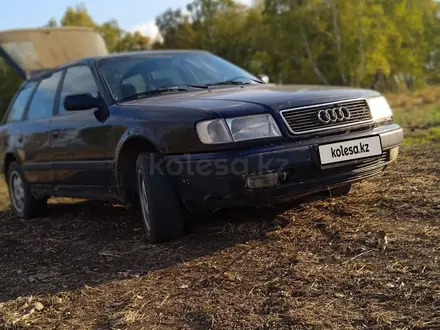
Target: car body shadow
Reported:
[(88, 243)]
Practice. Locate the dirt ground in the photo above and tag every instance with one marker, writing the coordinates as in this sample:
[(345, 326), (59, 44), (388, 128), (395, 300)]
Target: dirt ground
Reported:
[(310, 264)]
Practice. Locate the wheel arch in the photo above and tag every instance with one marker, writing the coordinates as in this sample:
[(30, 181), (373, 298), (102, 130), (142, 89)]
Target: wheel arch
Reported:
[(127, 155), (7, 160)]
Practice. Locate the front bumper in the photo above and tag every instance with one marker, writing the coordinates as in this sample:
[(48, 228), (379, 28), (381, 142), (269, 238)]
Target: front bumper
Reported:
[(219, 180)]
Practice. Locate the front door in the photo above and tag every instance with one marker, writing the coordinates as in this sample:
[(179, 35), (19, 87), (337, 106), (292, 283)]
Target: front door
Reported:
[(78, 140)]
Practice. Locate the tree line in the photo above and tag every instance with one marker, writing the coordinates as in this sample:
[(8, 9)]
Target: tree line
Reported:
[(380, 44)]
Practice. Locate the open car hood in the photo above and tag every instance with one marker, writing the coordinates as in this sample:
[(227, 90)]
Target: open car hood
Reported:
[(33, 51)]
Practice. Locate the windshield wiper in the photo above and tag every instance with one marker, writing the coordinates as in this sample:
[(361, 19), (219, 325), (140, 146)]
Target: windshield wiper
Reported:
[(235, 81), (161, 90), (198, 86), (228, 82)]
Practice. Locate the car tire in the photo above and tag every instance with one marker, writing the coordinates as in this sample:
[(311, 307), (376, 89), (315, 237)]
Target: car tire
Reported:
[(340, 191), (162, 211), (23, 202)]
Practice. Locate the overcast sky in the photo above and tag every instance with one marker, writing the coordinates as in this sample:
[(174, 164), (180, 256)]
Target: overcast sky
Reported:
[(130, 14)]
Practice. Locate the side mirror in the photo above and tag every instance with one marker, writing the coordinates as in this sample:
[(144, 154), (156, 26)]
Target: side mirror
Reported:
[(81, 102), (264, 78)]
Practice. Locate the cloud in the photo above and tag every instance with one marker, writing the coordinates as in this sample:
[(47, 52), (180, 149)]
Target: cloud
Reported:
[(245, 2), (148, 29)]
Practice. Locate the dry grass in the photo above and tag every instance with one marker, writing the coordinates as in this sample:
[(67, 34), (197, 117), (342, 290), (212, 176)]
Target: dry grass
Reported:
[(315, 264), (421, 125), (311, 264), (427, 95)]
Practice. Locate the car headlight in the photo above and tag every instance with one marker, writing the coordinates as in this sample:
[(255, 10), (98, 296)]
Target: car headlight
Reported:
[(253, 127), (213, 131), (237, 129), (380, 109)]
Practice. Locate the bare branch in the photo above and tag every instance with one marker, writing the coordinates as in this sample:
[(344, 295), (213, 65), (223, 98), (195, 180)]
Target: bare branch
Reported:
[(338, 42), (309, 55)]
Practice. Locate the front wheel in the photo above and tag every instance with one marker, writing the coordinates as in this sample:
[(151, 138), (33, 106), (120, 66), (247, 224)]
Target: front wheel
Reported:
[(23, 203), (161, 208)]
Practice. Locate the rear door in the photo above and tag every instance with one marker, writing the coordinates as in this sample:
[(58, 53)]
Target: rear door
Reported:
[(78, 139), (33, 138), (11, 132)]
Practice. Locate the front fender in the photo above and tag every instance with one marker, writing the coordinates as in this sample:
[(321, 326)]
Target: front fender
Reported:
[(144, 133)]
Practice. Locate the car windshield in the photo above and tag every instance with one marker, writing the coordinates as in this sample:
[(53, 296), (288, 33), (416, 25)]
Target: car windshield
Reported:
[(138, 75)]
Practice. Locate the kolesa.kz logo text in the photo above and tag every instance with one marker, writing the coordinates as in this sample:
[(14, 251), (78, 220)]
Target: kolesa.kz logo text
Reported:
[(346, 151)]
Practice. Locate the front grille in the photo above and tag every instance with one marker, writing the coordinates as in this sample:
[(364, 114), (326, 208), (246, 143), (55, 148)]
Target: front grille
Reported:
[(305, 119)]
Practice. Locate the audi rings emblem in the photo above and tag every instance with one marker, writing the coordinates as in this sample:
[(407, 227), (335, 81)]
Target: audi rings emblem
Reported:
[(333, 115)]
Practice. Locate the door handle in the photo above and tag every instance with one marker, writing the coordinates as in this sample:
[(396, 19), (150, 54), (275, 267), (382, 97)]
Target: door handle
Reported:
[(55, 133)]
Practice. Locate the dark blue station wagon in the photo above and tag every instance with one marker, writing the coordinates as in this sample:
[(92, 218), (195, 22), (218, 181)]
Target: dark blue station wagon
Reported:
[(177, 131)]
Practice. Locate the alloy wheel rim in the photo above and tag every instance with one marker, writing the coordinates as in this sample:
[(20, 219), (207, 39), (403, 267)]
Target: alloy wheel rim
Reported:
[(143, 198), (16, 189)]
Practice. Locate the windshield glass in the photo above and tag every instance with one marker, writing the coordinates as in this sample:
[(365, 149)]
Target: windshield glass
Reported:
[(136, 74)]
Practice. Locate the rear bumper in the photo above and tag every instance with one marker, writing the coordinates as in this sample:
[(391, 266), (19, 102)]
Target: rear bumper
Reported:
[(219, 180)]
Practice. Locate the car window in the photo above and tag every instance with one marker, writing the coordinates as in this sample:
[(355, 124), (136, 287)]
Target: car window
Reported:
[(166, 77), (137, 82), (167, 69), (78, 80), (20, 102), (204, 70), (42, 102), (156, 78)]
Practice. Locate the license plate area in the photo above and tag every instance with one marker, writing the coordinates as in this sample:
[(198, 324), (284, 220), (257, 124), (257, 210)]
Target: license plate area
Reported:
[(343, 151)]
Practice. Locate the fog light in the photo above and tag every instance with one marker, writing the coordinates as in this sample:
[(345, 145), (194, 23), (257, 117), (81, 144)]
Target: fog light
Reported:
[(262, 180), (394, 153)]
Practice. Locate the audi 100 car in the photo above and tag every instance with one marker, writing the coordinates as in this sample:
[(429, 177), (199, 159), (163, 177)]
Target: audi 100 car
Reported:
[(177, 131)]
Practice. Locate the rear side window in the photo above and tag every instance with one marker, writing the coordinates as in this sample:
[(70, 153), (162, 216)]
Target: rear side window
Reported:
[(78, 80), (42, 103), (20, 102)]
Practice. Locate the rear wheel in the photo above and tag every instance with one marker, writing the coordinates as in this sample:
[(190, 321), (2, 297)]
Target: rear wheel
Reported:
[(23, 203), (162, 211)]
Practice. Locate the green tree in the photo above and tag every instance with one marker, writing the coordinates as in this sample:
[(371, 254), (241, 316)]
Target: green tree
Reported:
[(52, 23), (384, 44), (9, 83), (133, 42), (78, 16), (116, 39)]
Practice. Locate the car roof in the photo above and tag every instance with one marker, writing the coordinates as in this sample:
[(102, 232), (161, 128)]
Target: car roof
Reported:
[(147, 52)]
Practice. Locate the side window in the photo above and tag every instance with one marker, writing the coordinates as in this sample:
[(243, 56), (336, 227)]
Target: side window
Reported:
[(78, 80), (42, 103), (17, 109)]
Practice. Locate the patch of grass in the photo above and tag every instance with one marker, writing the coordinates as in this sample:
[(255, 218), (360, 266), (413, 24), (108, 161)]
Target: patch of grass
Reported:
[(421, 124), (406, 99), (4, 196), (418, 117), (430, 136)]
